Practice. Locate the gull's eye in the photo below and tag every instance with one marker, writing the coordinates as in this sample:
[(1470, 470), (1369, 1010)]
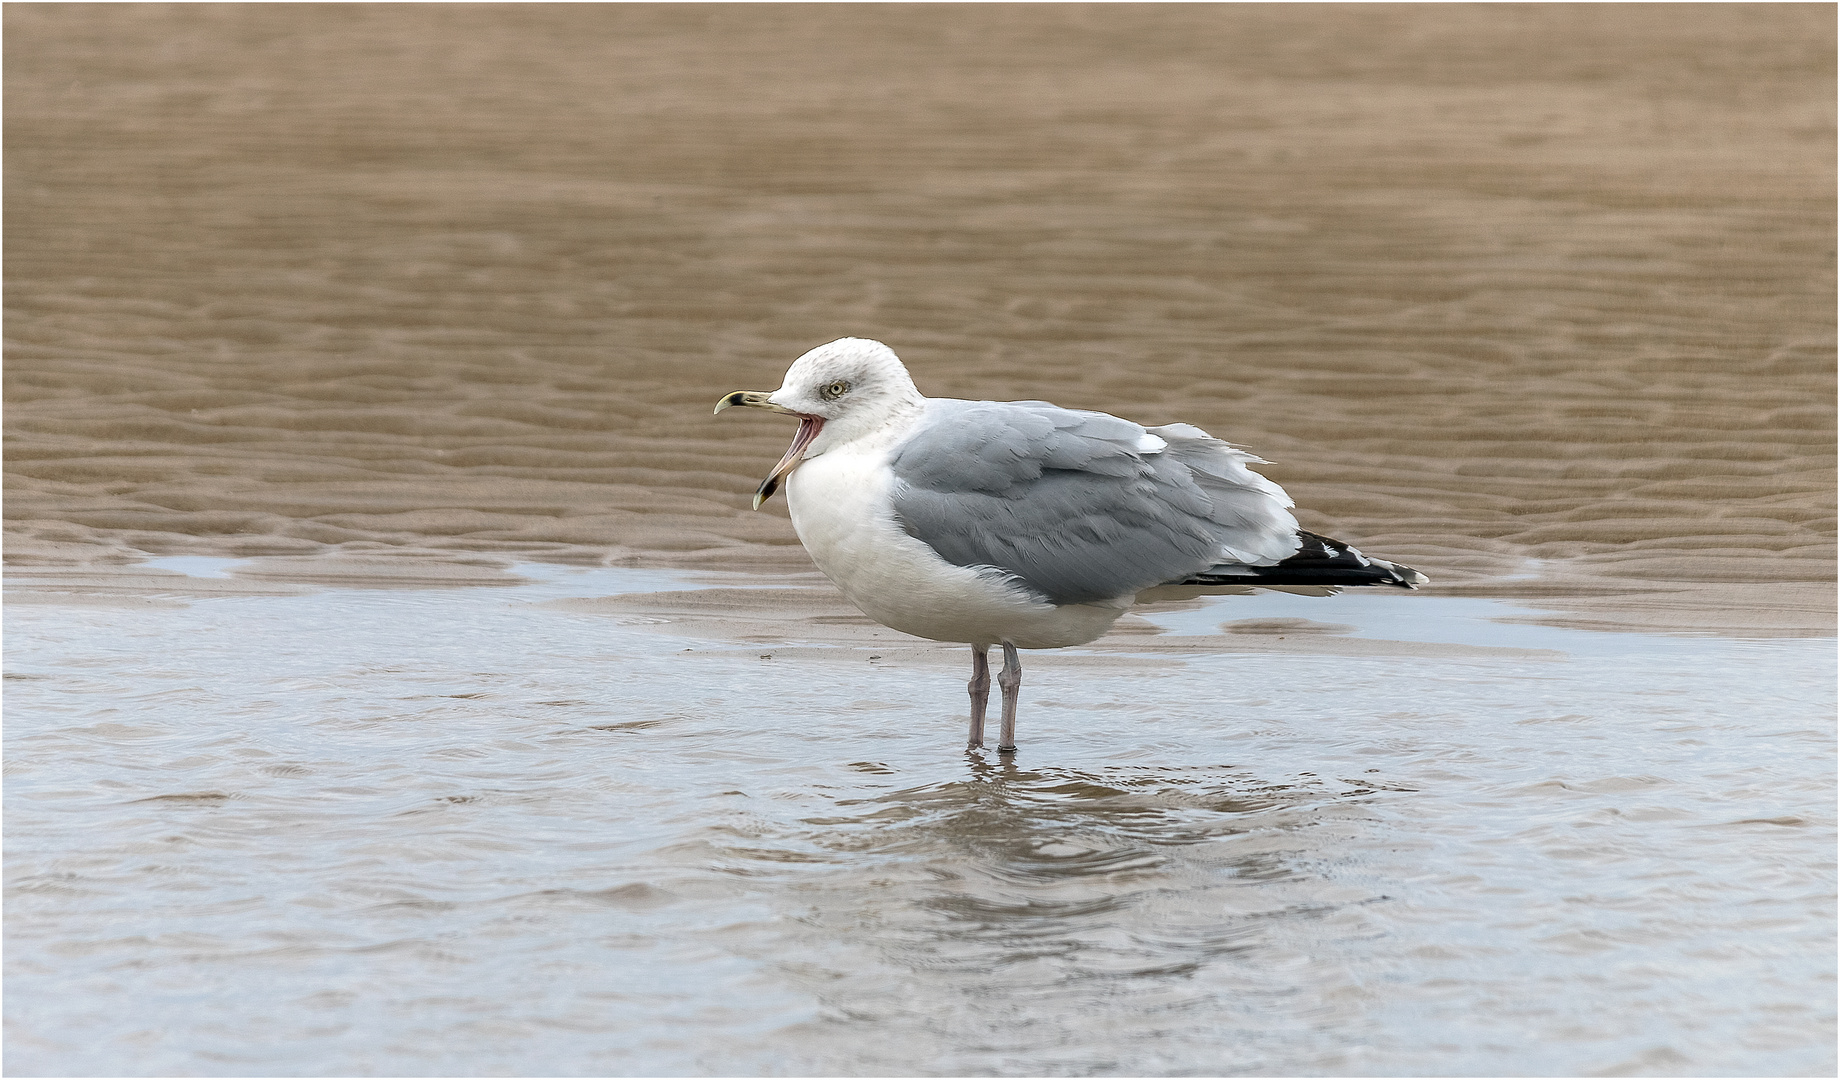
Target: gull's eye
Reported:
[(834, 390)]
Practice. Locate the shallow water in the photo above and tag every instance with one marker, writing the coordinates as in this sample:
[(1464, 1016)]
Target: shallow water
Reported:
[(339, 831)]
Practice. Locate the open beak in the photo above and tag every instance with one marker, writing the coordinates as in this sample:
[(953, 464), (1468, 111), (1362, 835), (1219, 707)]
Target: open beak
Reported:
[(809, 426)]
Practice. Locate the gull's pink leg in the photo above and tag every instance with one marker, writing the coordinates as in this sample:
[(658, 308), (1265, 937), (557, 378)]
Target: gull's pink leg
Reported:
[(980, 694), (1010, 679)]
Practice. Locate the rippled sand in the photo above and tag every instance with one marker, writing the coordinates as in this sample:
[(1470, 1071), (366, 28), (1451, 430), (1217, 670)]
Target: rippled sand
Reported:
[(1503, 292), (408, 308)]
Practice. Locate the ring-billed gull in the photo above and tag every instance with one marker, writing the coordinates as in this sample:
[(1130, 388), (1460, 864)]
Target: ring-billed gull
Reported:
[(1021, 524)]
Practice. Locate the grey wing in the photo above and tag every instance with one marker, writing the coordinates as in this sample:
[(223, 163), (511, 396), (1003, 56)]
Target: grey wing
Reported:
[(1082, 506)]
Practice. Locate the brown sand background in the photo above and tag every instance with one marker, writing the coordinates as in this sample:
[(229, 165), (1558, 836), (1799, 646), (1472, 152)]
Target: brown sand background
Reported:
[(1538, 298)]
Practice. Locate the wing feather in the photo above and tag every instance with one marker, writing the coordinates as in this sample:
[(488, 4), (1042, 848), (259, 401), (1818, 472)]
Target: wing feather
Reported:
[(1082, 506)]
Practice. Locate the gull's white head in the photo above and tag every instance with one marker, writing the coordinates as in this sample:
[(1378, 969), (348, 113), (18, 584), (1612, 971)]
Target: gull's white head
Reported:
[(840, 392)]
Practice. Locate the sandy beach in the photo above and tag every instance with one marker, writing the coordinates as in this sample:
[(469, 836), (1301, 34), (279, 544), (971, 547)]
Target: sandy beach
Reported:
[(402, 685), (1530, 291)]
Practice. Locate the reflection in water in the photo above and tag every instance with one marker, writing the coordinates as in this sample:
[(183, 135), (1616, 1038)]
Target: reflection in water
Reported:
[(332, 835), (1020, 904)]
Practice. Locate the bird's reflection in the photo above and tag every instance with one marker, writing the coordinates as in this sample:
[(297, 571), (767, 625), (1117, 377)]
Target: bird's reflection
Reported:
[(1013, 849), (1009, 892)]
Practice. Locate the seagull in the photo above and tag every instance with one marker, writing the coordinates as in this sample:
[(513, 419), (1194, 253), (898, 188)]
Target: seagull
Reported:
[(1020, 524)]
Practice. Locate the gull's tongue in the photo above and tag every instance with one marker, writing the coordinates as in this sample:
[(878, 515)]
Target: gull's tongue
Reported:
[(808, 430)]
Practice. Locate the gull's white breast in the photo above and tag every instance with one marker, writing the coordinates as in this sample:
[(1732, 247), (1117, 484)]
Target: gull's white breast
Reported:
[(843, 512)]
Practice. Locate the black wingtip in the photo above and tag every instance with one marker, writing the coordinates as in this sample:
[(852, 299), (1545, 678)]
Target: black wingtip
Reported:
[(1319, 561)]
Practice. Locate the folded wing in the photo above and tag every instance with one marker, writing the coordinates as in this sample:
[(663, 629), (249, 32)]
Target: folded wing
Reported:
[(1082, 506)]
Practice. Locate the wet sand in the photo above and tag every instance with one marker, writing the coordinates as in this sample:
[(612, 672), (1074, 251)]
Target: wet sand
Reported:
[(401, 684), (1503, 291)]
